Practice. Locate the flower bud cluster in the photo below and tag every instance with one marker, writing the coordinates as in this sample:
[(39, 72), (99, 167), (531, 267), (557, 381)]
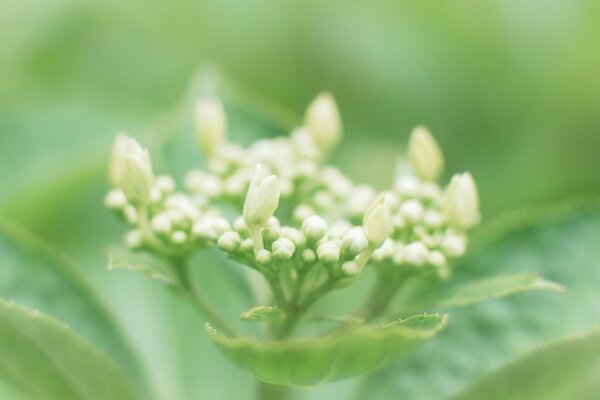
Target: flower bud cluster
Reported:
[(328, 220), (335, 246), (170, 221)]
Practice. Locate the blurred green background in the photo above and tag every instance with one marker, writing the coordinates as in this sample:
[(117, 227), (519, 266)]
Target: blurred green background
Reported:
[(510, 88)]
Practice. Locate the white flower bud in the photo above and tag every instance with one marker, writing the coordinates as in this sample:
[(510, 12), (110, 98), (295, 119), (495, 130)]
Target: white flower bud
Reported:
[(165, 184), (415, 254), (314, 228), (309, 256), (221, 225), (203, 183), (239, 225), (302, 212), (179, 237), (412, 211), (425, 155), (437, 259), (262, 199), (131, 214), (229, 241), (339, 229), (408, 186), (359, 199), (328, 252), (377, 222), (134, 239), (247, 245), (294, 235), (386, 250), (454, 245), (263, 257), (211, 125), (161, 223), (204, 229), (115, 200), (283, 249), (131, 170), (461, 202), (350, 268), (323, 121), (354, 242), (433, 219)]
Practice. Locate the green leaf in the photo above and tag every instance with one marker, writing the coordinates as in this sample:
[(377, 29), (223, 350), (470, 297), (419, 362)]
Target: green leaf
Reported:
[(42, 358), (483, 337), (261, 313), (142, 263), (309, 362), (429, 296), (566, 369), (494, 287), (38, 276)]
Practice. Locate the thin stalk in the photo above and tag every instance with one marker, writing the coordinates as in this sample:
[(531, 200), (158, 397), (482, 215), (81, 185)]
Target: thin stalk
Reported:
[(188, 289)]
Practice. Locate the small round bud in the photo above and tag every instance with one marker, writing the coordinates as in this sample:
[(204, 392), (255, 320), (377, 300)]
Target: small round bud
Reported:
[(309, 256), (350, 268), (436, 258), (240, 226), (339, 229), (433, 219), (314, 228), (229, 241), (302, 212), (415, 254), (425, 155), (294, 235), (412, 211), (247, 245), (161, 223), (386, 250), (221, 225), (354, 243), (283, 249), (324, 199), (204, 229), (115, 200), (359, 200), (165, 184), (328, 252), (263, 257), (179, 237), (408, 186), (131, 170), (134, 239), (204, 183), (454, 245)]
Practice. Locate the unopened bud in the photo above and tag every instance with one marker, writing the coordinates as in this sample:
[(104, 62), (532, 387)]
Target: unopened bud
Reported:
[(314, 228), (323, 121), (377, 222), (425, 156), (283, 249), (131, 170), (211, 125), (415, 254), (328, 252), (262, 199), (461, 202), (229, 241)]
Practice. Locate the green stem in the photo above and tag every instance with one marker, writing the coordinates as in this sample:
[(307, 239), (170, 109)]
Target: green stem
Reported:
[(268, 391), (189, 290), (383, 293)]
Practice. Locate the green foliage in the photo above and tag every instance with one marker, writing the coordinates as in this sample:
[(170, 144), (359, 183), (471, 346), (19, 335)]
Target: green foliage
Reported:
[(43, 359), (38, 276), (566, 369), (336, 356), (492, 334)]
